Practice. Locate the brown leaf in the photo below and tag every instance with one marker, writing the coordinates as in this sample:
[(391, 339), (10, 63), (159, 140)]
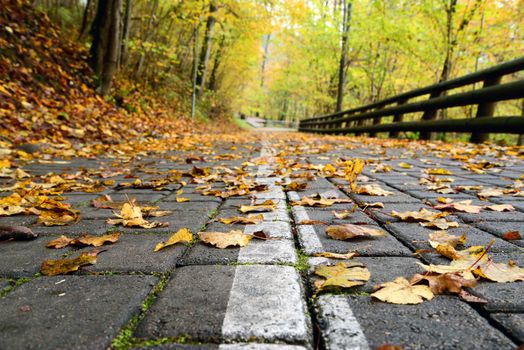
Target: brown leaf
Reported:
[(295, 186), (374, 205), (312, 222), (17, 233), (441, 224), (180, 199), (63, 266), (470, 298), (131, 216), (341, 275), (105, 202), (223, 240), (349, 231), (373, 190), (344, 214), (417, 216), (442, 283), (442, 237), (512, 236), (85, 239)]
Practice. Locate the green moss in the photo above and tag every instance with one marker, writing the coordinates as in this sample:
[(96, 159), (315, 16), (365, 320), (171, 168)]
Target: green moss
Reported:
[(302, 264), (242, 124)]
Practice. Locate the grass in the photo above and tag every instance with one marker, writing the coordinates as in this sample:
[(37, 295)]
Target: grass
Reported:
[(242, 124)]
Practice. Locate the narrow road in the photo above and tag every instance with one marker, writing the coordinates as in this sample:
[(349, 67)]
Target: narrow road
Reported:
[(262, 295)]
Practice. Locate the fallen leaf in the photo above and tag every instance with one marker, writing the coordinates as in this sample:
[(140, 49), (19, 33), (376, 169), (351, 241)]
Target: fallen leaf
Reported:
[(405, 165), (400, 291), (250, 219), (444, 238), (374, 205), (105, 202), (225, 239), (295, 186), (463, 206), (470, 298), (64, 266), (58, 217), (312, 222), (441, 224), (438, 171), (373, 190), (442, 283), (266, 206), (416, 216), (182, 235), (83, 240), (330, 255), (17, 233), (349, 231), (512, 236), (341, 275), (180, 199), (500, 272), (131, 216), (344, 214), (500, 207), (490, 192)]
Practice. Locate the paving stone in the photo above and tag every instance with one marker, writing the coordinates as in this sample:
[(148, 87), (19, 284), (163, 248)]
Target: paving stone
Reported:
[(253, 346), (499, 228), (512, 322), (134, 253), (382, 269), (416, 236), (18, 220), (331, 192), (313, 239), (93, 227), (256, 292), (383, 215), (142, 199), (23, 258), (501, 297), (36, 314), (274, 193), (193, 197), (432, 195), (492, 216), (280, 214), (357, 322), (175, 346), (301, 214), (396, 198), (193, 305), (4, 284)]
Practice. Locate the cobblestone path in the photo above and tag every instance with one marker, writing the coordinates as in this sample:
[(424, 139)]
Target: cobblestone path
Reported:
[(261, 296)]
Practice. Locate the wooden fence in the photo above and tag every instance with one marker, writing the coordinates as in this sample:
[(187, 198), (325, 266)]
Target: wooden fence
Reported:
[(368, 118)]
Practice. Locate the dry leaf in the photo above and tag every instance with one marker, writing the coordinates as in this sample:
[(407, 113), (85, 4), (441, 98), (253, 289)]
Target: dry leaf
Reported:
[(442, 283), (373, 190), (471, 298), (500, 272), (295, 186), (131, 216), (105, 202), (405, 165), (438, 171), (180, 199), (17, 233), (400, 291), (512, 236), (490, 192), (83, 240), (312, 222), (347, 256), (444, 238), (349, 231), (416, 216), (441, 224), (182, 235), (225, 239), (63, 266), (250, 219), (341, 275), (374, 205), (344, 214), (463, 206), (58, 217), (500, 207), (266, 206)]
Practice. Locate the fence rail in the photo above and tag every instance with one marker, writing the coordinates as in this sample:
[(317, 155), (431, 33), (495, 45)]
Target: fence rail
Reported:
[(486, 97)]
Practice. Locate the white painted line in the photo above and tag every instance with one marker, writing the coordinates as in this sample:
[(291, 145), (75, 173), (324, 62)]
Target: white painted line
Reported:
[(268, 252), (266, 303), (342, 332), (300, 214), (309, 240), (274, 229)]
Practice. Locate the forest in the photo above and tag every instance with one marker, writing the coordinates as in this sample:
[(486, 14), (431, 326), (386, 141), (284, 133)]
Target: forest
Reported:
[(287, 59)]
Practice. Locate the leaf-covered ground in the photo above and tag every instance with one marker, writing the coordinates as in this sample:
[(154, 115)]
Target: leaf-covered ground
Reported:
[(264, 238)]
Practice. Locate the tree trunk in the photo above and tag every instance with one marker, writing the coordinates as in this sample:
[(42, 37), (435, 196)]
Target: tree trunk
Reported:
[(266, 40), (216, 64), (145, 38), (85, 19), (206, 50), (113, 47), (343, 54), (520, 141), (125, 34)]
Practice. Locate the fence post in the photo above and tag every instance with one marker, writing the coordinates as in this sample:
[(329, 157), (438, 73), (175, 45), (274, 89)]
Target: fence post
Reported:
[(376, 121), (430, 115), (485, 110), (397, 118)]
